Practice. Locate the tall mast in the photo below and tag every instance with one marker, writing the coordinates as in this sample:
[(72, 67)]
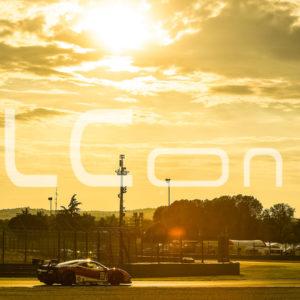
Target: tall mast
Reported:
[(123, 189), (56, 196)]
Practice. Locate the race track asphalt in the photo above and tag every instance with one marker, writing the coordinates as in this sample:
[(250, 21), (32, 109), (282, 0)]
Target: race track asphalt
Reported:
[(155, 290)]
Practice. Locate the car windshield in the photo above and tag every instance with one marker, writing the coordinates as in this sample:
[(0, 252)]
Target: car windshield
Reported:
[(83, 263), (92, 265), (72, 262)]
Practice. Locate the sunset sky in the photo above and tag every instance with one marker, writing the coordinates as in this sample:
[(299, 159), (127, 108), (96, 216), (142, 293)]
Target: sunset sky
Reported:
[(196, 74)]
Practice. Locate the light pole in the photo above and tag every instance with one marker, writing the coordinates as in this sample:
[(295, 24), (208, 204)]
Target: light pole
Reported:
[(168, 181), (123, 189), (50, 200)]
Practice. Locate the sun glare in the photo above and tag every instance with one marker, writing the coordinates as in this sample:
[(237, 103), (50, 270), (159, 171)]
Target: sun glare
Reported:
[(117, 26)]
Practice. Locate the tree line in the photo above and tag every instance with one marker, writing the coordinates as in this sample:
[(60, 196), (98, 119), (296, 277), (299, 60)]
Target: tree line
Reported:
[(68, 218), (236, 217)]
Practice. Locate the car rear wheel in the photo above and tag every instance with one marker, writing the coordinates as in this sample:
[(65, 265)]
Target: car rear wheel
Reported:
[(68, 278)]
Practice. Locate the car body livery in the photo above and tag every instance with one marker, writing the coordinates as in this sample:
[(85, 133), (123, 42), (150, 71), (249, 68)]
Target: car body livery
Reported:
[(81, 271)]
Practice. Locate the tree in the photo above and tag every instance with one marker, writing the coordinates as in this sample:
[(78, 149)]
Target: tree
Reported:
[(108, 221), (249, 215), (73, 207), (85, 222), (237, 216), (66, 218), (157, 233), (70, 219), (26, 220), (296, 231), (279, 221)]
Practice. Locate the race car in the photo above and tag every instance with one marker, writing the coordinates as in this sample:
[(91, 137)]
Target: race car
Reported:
[(81, 271)]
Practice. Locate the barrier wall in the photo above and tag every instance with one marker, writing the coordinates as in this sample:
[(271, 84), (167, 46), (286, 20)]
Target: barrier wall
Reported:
[(141, 270)]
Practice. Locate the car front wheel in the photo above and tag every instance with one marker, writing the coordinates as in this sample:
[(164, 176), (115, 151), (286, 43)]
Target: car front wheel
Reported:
[(115, 279), (48, 282), (68, 278)]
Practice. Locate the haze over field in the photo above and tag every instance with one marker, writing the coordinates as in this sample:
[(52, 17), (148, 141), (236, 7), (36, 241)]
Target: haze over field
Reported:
[(196, 73)]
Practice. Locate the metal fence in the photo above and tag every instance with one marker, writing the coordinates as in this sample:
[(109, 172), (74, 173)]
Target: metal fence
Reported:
[(21, 246), (180, 251), (103, 245)]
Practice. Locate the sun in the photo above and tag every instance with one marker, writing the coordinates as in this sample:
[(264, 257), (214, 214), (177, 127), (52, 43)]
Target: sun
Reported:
[(118, 27)]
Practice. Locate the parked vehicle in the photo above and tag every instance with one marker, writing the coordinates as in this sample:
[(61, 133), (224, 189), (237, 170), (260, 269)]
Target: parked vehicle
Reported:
[(248, 247), (292, 250), (81, 271), (275, 248), (193, 247)]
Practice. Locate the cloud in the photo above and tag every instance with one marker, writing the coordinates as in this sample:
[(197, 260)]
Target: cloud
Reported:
[(29, 112), (125, 99), (6, 28), (38, 114), (42, 60), (252, 38), (33, 25), (43, 92), (282, 91), (232, 89)]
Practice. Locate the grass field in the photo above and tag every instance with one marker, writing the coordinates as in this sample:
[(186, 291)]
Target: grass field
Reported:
[(252, 270), (271, 270)]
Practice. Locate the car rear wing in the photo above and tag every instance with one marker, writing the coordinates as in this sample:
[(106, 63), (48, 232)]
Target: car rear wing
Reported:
[(38, 262)]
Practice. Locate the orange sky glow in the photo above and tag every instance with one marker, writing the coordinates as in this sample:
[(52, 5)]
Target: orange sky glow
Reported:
[(195, 74)]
